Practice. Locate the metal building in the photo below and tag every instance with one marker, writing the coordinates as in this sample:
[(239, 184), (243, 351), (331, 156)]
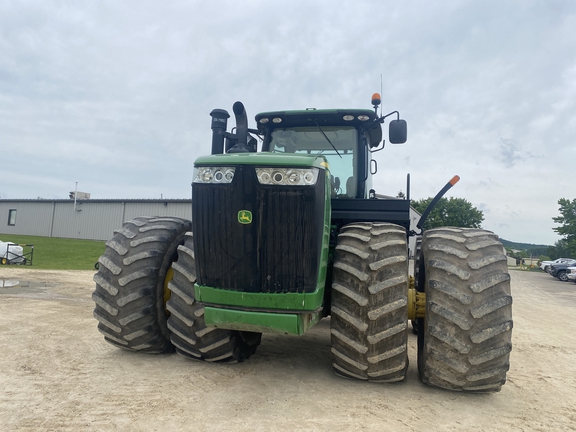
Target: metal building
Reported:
[(92, 219)]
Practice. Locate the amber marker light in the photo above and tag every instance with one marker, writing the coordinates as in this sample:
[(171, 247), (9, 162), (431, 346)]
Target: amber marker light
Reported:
[(454, 180), (376, 99)]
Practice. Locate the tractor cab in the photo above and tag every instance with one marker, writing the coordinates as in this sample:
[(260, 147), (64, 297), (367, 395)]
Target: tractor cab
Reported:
[(344, 137)]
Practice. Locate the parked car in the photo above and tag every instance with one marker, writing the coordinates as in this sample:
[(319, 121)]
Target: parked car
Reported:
[(545, 265), (571, 273), (560, 270)]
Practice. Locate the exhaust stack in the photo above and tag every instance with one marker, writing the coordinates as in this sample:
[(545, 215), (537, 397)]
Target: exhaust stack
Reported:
[(241, 123), (241, 135)]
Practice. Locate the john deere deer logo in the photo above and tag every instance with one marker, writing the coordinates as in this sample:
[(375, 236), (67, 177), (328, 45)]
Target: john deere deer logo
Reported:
[(245, 217)]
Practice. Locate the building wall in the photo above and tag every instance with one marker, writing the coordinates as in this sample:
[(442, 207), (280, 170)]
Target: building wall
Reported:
[(32, 217), (91, 219), (180, 209)]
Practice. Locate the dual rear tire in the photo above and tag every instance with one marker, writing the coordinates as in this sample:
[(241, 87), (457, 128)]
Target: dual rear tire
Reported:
[(145, 300), (464, 341), (130, 283)]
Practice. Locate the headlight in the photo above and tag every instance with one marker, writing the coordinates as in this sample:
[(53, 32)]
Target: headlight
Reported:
[(214, 174), (287, 176)]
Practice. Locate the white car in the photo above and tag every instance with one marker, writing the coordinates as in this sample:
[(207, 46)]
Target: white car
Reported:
[(545, 265), (571, 273)]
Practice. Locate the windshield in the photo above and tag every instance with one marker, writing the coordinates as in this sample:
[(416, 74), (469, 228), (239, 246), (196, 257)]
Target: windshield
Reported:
[(311, 140)]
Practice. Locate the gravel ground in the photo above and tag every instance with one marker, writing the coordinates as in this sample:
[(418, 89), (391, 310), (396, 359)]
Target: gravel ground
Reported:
[(58, 373)]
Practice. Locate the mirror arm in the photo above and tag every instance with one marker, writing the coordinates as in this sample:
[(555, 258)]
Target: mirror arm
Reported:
[(389, 114), (381, 119)]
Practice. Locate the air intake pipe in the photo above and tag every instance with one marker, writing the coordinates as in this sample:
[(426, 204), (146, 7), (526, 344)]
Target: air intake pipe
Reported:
[(219, 124)]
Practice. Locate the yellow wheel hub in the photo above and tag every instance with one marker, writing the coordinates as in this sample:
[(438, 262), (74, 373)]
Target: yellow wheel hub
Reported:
[(416, 302)]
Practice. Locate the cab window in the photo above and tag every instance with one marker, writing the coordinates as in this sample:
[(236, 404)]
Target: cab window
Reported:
[(336, 143)]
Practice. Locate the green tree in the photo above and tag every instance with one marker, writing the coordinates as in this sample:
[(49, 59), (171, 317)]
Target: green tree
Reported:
[(567, 221), (456, 212), (559, 250)]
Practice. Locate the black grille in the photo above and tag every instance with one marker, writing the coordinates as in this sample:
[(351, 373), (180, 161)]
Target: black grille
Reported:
[(278, 252)]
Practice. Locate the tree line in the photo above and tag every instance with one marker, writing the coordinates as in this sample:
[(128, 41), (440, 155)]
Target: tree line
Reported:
[(456, 212), (459, 212), (565, 247)]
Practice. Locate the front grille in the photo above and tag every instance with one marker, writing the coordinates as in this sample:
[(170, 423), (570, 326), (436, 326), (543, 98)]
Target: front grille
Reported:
[(279, 252)]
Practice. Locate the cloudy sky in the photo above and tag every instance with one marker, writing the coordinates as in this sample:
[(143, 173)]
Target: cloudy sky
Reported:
[(116, 95)]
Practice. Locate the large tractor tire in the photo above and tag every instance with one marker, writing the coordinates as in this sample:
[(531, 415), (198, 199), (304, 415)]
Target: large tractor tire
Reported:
[(465, 342), (190, 335), (131, 283), (369, 302)]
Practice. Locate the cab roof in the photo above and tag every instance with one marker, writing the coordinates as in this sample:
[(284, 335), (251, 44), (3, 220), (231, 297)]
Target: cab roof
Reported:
[(323, 117), (328, 117)]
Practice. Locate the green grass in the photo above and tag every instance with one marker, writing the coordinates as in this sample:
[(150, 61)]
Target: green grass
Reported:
[(59, 253)]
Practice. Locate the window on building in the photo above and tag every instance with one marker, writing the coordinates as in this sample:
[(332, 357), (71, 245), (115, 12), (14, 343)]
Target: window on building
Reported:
[(12, 217)]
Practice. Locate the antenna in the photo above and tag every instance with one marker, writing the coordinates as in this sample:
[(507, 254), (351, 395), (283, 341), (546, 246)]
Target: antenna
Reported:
[(381, 92)]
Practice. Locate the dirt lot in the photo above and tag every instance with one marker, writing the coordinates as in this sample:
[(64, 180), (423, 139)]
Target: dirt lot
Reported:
[(57, 373)]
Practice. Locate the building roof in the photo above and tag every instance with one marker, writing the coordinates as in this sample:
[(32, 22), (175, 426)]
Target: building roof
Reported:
[(119, 200)]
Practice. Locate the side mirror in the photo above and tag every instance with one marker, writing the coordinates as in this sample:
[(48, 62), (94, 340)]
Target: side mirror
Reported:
[(397, 131)]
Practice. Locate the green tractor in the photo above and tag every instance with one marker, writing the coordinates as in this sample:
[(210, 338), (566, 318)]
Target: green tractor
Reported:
[(294, 233)]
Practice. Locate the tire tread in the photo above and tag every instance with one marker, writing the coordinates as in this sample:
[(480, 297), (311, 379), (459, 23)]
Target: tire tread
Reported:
[(466, 340), (369, 302)]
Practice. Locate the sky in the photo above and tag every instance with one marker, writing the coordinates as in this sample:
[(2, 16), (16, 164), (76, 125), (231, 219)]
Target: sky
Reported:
[(116, 95)]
